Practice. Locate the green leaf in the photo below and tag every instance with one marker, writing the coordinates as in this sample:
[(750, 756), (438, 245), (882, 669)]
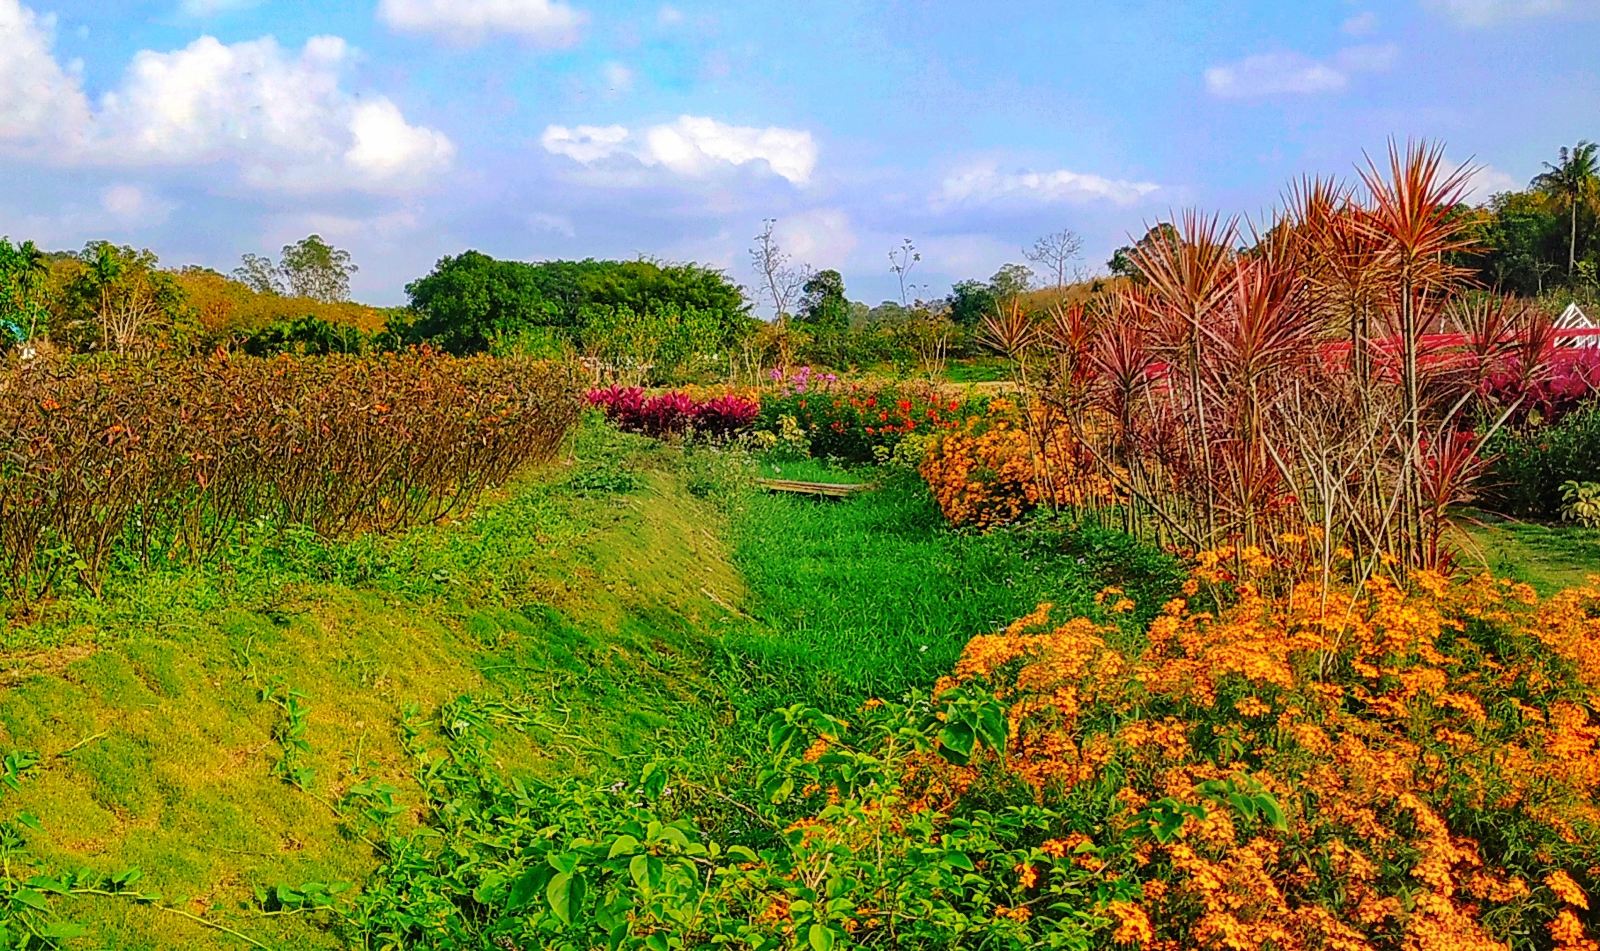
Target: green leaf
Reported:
[(820, 937), (742, 853), (992, 727), (62, 930), (31, 898), (1272, 812), (45, 884), (1242, 804), (639, 871), (955, 742), (559, 894), (524, 888), (566, 893), (958, 860), (564, 861), (624, 845), (675, 835)]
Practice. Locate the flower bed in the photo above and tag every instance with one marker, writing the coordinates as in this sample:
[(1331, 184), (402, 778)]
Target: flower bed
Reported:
[(857, 422), (993, 470), (1386, 768)]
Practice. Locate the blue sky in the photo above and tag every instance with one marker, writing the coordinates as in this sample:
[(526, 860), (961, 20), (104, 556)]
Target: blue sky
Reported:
[(409, 129)]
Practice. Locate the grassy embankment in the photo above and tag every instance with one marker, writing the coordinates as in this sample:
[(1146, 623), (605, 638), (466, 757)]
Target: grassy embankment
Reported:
[(640, 602)]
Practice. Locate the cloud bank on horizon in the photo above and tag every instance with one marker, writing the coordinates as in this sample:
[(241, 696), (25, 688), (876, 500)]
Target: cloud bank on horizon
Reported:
[(409, 129)]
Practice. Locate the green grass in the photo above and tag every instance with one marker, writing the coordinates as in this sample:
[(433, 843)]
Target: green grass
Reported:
[(978, 370), (875, 595), (1548, 557), (639, 602)]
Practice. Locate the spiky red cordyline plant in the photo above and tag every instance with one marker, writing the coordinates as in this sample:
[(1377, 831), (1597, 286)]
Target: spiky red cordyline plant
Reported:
[(1409, 213), (1243, 395), (1187, 272)]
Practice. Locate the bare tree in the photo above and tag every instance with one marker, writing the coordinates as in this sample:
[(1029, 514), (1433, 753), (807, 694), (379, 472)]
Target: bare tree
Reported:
[(780, 279), (901, 261), (1055, 252)]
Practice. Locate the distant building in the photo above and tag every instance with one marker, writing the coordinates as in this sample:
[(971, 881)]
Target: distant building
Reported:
[(1574, 319)]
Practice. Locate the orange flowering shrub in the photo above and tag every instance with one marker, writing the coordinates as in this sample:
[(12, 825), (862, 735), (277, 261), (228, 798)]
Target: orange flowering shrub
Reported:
[(1378, 768), (993, 469)]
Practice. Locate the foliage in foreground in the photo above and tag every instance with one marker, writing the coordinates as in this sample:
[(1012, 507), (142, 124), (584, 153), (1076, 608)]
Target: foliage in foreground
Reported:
[(152, 460), (1384, 768), (1430, 758), (838, 850)]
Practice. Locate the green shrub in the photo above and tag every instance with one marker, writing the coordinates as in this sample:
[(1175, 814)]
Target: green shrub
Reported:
[(844, 844), (1533, 460)]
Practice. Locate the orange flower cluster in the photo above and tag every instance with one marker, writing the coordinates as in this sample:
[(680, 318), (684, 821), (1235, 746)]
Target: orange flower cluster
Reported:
[(1387, 767), (994, 469)]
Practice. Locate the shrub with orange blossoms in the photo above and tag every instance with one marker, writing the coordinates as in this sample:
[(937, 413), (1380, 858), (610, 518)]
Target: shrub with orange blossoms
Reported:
[(1387, 767), (995, 468)]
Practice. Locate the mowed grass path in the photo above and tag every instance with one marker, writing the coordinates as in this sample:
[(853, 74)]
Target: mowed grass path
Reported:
[(875, 595)]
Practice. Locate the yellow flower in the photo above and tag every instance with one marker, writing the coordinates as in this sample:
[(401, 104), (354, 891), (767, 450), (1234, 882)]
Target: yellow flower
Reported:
[(1564, 888)]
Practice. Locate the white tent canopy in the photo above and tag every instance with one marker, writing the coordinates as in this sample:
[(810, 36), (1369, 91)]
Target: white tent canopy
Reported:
[(1573, 318)]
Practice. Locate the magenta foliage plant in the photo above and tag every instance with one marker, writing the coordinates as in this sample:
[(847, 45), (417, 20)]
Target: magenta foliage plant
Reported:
[(675, 413)]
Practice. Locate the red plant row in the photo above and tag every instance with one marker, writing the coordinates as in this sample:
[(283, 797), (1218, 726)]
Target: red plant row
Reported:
[(675, 413)]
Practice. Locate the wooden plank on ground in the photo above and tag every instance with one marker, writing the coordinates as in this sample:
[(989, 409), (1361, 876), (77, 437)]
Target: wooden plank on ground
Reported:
[(835, 490)]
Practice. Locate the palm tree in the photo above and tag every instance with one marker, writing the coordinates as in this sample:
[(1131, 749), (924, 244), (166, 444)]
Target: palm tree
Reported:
[(1574, 179), (23, 270)]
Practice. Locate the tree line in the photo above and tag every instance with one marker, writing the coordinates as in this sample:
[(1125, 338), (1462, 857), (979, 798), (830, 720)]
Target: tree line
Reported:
[(646, 318)]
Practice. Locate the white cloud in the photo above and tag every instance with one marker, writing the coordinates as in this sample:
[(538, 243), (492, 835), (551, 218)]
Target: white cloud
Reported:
[(1481, 13), (40, 103), (209, 8), (1487, 181), (388, 149), (820, 237), (586, 144), (1290, 73), (669, 15), (617, 78), (691, 146), (986, 183), (548, 23), (557, 224), (280, 118), (132, 205), (1362, 24)]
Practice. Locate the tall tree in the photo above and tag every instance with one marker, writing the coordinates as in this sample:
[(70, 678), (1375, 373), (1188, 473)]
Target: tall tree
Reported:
[(970, 301), (257, 272), (313, 268), (1575, 180), (1055, 253), (23, 270), (822, 302), (1011, 282), (781, 281), (120, 296), (1122, 260)]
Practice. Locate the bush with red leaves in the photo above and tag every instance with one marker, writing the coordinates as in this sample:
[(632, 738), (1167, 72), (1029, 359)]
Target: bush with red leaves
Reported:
[(675, 413)]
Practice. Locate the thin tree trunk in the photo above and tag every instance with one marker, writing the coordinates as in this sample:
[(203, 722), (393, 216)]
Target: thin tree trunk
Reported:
[(1572, 240)]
